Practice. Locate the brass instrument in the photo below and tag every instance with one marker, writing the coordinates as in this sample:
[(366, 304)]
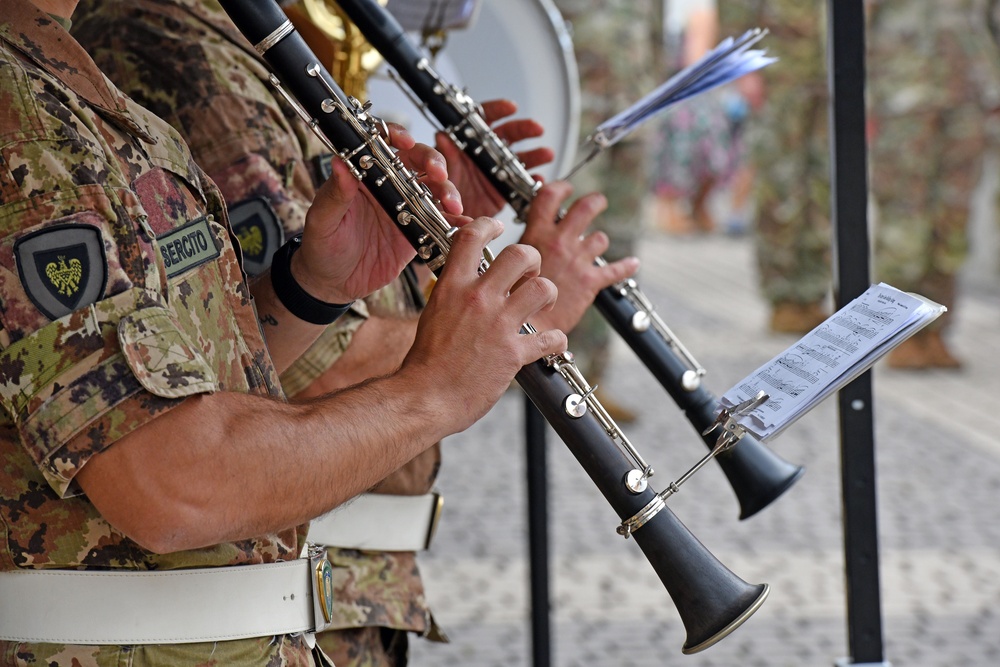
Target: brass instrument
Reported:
[(337, 42)]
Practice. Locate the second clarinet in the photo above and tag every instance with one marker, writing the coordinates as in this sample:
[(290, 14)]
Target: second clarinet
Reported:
[(756, 474)]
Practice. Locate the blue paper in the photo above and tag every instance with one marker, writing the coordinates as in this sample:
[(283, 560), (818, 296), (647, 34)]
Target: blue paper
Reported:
[(728, 61)]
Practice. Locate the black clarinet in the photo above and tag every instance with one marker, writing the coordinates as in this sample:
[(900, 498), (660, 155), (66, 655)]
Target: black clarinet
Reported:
[(756, 474), (711, 600)]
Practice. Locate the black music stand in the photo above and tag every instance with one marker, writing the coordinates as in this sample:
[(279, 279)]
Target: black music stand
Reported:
[(849, 199), (536, 462)]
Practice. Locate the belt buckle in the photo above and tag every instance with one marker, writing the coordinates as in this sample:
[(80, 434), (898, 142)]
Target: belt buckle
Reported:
[(435, 518), (321, 573)]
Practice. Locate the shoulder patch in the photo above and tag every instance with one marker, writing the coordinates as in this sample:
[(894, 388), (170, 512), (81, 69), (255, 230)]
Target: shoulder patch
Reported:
[(62, 268), (187, 247), (324, 167), (257, 227)]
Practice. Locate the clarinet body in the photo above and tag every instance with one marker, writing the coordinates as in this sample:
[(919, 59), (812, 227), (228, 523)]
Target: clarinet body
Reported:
[(711, 600), (756, 474)]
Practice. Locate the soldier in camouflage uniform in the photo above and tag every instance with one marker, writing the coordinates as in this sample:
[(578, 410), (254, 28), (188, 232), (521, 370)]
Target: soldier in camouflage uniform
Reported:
[(142, 426), (789, 150), (613, 41), (254, 146), (932, 77), (267, 165)]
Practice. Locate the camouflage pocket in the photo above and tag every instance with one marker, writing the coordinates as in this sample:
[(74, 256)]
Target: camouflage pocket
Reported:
[(59, 379), (162, 357), (33, 368)]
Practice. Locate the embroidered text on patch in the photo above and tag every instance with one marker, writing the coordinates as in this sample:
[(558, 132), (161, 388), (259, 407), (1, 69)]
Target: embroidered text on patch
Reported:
[(187, 247)]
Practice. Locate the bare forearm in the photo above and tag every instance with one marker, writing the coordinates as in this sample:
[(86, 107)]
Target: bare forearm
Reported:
[(223, 466), (287, 336), (700, 35), (196, 476), (377, 348)]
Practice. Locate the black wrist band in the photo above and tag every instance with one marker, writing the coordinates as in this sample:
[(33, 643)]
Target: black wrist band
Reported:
[(300, 303)]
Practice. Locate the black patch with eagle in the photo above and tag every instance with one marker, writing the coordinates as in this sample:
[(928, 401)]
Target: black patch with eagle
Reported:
[(62, 268), (323, 164), (257, 227)]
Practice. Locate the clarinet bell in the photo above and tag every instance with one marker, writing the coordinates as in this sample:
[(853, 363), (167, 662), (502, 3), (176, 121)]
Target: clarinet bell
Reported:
[(757, 475), (747, 601), (711, 600)]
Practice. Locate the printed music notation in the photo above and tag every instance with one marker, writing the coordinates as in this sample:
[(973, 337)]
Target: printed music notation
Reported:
[(847, 344)]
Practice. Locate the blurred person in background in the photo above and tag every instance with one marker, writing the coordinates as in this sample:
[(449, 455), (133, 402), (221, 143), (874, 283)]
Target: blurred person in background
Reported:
[(698, 146), (614, 43), (933, 77), (789, 150)]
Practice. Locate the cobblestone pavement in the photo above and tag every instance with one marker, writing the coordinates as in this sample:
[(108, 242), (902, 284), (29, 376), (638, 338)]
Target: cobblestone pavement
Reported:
[(938, 456)]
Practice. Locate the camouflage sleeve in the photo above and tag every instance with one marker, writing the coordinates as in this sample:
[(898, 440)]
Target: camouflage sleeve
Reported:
[(180, 63), (82, 308), (264, 160), (324, 352)]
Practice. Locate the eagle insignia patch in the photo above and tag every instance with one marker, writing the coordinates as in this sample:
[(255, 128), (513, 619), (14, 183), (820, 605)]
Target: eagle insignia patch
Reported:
[(324, 167), (62, 268), (257, 227)]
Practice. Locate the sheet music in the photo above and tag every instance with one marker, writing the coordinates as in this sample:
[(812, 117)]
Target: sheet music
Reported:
[(848, 343), (729, 60), (420, 15)]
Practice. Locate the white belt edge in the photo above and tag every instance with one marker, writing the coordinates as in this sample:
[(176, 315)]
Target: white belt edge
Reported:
[(161, 607), (380, 522)]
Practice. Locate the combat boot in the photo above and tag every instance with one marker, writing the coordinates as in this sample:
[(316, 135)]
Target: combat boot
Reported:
[(796, 318), (940, 355), (911, 354), (923, 350)]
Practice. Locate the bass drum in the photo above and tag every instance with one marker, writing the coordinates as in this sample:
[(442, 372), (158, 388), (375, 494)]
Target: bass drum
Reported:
[(515, 49)]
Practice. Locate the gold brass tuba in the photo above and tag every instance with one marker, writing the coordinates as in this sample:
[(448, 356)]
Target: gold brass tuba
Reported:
[(337, 42)]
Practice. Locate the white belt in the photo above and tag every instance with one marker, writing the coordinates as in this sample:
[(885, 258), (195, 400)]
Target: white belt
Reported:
[(165, 607), (380, 522)]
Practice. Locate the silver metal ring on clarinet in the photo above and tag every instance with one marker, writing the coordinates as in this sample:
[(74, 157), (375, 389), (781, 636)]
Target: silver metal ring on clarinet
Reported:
[(279, 34), (642, 517)]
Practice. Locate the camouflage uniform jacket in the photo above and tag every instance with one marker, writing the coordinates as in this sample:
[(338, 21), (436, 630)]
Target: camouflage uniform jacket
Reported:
[(930, 56), (615, 47), (121, 295), (267, 163)]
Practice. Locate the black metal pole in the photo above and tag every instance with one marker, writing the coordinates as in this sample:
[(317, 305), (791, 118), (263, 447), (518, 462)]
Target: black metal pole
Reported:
[(538, 533), (849, 197)]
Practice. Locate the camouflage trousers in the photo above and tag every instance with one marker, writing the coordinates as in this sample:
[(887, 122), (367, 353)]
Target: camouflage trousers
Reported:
[(366, 647), (925, 167), (622, 174), (791, 156)]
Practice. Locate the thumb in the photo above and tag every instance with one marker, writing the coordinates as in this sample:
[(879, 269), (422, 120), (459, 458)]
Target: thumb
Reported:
[(336, 195)]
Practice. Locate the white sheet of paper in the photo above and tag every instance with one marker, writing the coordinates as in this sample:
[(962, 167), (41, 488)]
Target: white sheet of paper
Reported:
[(848, 343)]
